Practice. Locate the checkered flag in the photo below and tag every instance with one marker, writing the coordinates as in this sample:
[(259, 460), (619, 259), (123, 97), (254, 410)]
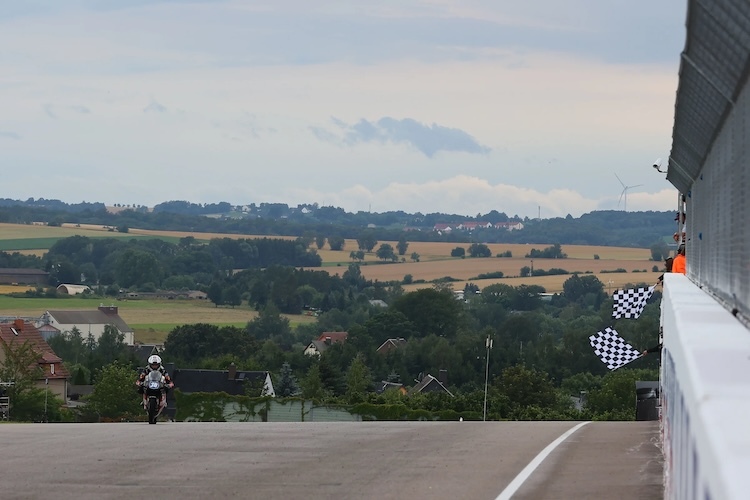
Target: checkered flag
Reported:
[(630, 303), (612, 349)]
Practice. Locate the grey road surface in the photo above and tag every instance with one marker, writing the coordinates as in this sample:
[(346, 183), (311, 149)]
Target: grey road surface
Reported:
[(367, 460)]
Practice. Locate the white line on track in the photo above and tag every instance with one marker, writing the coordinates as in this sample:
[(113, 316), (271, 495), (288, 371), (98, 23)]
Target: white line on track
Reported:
[(522, 476)]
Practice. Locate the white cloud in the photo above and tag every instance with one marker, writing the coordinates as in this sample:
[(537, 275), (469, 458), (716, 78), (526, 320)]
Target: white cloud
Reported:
[(154, 107), (231, 101), (9, 135)]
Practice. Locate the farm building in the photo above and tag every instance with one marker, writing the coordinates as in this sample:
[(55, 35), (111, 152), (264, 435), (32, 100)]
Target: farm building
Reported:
[(12, 276), (72, 289), (87, 322)]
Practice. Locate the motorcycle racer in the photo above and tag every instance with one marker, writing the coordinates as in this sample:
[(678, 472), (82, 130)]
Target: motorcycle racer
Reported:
[(154, 364)]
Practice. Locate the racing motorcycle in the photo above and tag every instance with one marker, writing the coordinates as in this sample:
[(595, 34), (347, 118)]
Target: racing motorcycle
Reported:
[(154, 387)]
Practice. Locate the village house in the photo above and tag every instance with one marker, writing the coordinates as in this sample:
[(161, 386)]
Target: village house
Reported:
[(390, 345), (230, 381), (471, 226), (428, 383), (384, 385), (326, 339), (52, 374), (87, 322), (509, 226)]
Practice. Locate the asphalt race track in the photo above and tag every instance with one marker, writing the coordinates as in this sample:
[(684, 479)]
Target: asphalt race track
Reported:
[(366, 460)]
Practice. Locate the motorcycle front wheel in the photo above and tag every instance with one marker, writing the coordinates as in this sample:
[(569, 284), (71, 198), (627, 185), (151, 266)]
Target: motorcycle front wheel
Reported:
[(153, 410)]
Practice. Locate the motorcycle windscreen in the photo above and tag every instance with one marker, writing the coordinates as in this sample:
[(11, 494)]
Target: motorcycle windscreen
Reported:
[(154, 380)]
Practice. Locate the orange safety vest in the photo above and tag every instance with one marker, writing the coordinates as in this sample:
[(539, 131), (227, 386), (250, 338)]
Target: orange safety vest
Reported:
[(678, 264)]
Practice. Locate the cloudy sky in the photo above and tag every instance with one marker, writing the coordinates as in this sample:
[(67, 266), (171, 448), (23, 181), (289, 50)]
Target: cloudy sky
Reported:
[(455, 106)]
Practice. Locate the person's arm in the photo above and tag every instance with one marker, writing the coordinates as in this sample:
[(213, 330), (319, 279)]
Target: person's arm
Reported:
[(656, 348)]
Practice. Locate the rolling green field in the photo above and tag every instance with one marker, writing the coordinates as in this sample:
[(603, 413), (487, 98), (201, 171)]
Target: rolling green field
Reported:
[(151, 320), (15, 237)]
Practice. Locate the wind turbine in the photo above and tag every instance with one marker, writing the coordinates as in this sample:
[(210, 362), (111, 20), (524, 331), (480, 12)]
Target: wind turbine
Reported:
[(624, 194)]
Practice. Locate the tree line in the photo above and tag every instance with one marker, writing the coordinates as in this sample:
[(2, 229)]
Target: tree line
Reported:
[(605, 228), (540, 355)]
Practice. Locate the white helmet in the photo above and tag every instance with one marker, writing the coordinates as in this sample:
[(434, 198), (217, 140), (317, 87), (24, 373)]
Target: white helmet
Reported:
[(154, 360)]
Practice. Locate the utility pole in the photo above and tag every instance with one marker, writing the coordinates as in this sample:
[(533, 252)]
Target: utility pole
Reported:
[(488, 345)]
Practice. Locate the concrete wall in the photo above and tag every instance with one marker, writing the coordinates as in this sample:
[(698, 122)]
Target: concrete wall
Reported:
[(705, 395)]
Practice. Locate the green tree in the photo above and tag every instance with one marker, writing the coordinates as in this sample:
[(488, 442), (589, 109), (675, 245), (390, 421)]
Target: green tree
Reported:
[(216, 293), (312, 385), (458, 252), (336, 243), (431, 311), (81, 374), (367, 240), (577, 288), (358, 380), (114, 394), (385, 252), (287, 385), (330, 373), (357, 255), (616, 398), (191, 343), (389, 324), (111, 345), (525, 387), (231, 296), (21, 367), (64, 271), (580, 382), (70, 346), (136, 267), (270, 324), (659, 251), (479, 250), (402, 245), (415, 256)]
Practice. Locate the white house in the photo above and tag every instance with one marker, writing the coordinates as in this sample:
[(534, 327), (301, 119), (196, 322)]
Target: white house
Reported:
[(86, 322), (509, 226)]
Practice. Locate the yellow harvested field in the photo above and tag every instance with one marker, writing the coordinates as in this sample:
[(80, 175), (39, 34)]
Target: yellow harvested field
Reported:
[(552, 284), (434, 259), (435, 262), (470, 268), (441, 250), (39, 252), (7, 289)]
